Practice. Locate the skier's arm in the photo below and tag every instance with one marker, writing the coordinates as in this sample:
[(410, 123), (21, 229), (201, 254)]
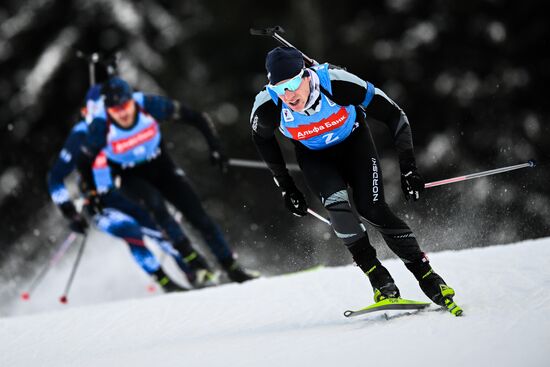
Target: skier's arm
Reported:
[(163, 108), (264, 121), (269, 150), (387, 111), (202, 121), (95, 141), (62, 167), (384, 109), (348, 89)]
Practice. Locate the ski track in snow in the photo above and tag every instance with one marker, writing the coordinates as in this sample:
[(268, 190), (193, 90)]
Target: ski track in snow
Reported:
[(297, 320)]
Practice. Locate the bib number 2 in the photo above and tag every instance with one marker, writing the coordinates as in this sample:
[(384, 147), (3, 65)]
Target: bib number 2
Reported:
[(329, 139)]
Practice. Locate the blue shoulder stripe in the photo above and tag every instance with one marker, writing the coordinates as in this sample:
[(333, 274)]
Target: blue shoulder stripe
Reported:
[(369, 95), (139, 97), (80, 126), (324, 77)]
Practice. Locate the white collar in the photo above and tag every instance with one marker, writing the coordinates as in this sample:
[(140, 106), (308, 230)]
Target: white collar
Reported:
[(314, 93)]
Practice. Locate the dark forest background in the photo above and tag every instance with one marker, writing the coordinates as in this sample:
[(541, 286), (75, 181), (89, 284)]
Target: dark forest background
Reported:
[(472, 77)]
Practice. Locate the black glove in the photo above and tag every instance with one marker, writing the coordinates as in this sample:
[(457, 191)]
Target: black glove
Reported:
[(295, 202), (93, 204), (77, 222), (412, 182), (219, 158), (294, 199)]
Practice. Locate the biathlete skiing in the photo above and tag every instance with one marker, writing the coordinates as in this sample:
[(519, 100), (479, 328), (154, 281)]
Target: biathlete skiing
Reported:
[(325, 111)]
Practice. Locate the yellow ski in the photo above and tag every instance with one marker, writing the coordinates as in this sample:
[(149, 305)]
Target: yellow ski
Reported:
[(389, 304)]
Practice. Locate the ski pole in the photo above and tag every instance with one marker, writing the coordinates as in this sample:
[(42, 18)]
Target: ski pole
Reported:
[(530, 163), (257, 164), (295, 167), (91, 59), (25, 296), (110, 63), (325, 220), (63, 298), (318, 216)]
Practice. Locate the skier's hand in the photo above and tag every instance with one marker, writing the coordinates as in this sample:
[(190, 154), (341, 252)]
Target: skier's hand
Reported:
[(295, 201), (93, 204), (412, 184), (219, 158), (79, 224)]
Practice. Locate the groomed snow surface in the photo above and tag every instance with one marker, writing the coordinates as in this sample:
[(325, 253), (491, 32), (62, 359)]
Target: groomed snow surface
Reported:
[(297, 320)]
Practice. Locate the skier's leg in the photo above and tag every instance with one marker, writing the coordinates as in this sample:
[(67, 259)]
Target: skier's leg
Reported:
[(323, 178), (190, 261), (368, 194), (142, 192), (177, 189), (382, 282), (119, 201), (120, 225), (184, 198)]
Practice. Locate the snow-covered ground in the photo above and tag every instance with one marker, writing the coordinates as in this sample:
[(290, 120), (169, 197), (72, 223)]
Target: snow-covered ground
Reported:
[(297, 320)]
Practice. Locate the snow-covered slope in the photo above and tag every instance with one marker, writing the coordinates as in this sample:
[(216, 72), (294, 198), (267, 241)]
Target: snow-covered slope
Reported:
[(296, 320)]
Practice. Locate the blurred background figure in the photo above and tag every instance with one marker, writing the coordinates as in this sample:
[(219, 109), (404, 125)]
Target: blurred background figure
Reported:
[(111, 212), (128, 133)]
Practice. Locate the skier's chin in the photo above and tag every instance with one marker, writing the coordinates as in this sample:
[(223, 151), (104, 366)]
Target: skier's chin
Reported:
[(297, 106), (126, 122)]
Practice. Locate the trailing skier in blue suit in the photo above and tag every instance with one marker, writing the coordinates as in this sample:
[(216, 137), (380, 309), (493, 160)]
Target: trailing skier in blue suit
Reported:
[(111, 212), (127, 130)]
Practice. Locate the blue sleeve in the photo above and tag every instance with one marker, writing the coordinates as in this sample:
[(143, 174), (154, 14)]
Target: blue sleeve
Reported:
[(95, 141), (97, 136), (161, 108), (64, 165)]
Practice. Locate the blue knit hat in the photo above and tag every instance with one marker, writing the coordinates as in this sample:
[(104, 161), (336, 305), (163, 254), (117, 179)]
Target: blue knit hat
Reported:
[(116, 92), (283, 63)]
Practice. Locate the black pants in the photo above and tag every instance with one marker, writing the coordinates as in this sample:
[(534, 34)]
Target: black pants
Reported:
[(153, 182), (350, 172)]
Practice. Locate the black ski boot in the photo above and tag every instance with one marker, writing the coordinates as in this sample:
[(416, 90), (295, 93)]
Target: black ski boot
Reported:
[(236, 272), (382, 283), (167, 284), (435, 288), (201, 275), (439, 292)]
